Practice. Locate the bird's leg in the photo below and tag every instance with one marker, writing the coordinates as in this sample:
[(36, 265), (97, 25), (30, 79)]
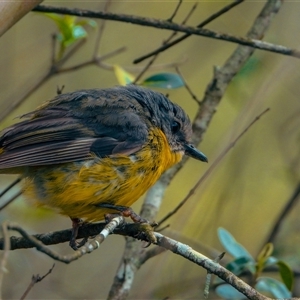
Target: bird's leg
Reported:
[(76, 223), (142, 225), (126, 211)]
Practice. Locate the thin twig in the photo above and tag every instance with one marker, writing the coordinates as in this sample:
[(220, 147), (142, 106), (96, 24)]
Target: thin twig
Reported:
[(10, 186), (18, 101), (174, 33), (54, 70), (211, 168), (175, 11), (162, 241), (213, 95), (10, 200), (284, 213), (89, 247), (59, 89), (52, 238), (133, 68), (208, 276), (35, 279), (156, 23), (187, 86), (53, 40), (101, 31), (95, 60), (180, 39), (186, 252), (145, 69), (151, 61), (210, 265), (69, 54), (217, 86)]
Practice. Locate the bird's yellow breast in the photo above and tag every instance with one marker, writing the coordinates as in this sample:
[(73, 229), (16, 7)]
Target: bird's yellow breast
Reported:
[(76, 188)]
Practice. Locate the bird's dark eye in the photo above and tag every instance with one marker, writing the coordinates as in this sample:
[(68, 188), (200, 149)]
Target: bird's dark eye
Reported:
[(175, 127)]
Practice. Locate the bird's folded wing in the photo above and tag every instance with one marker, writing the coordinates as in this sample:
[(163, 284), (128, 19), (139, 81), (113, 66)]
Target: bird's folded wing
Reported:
[(47, 141)]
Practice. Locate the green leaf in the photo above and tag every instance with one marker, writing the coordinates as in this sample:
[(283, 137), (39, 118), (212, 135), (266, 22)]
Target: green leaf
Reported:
[(164, 80), (241, 264), (70, 30), (123, 77), (262, 257), (226, 291), (274, 287), (78, 32), (231, 245), (266, 251), (64, 25), (286, 274), (271, 260)]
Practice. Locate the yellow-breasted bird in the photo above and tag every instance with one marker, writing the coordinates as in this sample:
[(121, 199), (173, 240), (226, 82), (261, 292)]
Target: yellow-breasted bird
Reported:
[(93, 152)]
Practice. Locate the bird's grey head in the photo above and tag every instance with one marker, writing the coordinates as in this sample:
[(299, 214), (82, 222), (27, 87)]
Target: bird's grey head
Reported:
[(168, 116)]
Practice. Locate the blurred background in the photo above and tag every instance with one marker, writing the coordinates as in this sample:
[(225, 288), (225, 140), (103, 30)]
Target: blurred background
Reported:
[(244, 194)]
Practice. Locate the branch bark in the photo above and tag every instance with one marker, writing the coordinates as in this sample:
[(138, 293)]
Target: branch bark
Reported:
[(129, 269), (12, 11), (212, 98), (151, 22), (213, 95)]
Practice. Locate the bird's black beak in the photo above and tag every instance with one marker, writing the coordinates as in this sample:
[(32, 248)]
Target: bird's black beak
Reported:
[(193, 152)]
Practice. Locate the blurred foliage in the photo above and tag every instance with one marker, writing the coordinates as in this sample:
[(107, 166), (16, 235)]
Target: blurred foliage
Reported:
[(159, 80), (123, 77), (249, 187), (70, 30), (244, 263)]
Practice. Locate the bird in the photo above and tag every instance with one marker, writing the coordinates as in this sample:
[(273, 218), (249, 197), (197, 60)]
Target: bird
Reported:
[(92, 152)]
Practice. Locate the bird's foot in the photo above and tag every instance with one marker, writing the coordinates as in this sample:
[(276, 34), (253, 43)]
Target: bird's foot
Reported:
[(76, 224), (140, 225)]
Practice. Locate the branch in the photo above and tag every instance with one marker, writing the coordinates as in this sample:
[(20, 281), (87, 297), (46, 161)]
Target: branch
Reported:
[(57, 237), (175, 11), (101, 31), (151, 61), (288, 207), (211, 168), (185, 36), (208, 264), (89, 247), (187, 87), (10, 186), (12, 11), (35, 279), (10, 200), (221, 80), (55, 68), (213, 95), (162, 241), (151, 22)]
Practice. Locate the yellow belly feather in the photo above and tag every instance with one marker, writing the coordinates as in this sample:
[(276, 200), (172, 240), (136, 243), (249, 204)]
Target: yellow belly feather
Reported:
[(76, 188)]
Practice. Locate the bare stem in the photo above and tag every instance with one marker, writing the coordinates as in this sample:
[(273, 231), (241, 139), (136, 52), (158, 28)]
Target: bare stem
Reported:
[(175, 11), (35, 279), (156, 23), (101, 31), (290, 204), (151, 61), (211, 168), (182, 38)]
